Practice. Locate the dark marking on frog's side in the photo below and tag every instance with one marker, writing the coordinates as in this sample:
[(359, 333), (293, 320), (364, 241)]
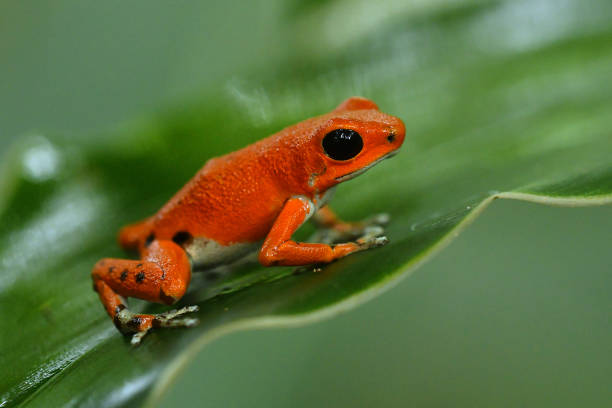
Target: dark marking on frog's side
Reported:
[(111, 269), (139, 265), (124, 275), (391, 138), (149, 239), (140, 277), (181, 238)]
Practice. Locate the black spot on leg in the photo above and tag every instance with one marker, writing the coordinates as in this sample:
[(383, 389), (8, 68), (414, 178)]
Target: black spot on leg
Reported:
[(118, 324), (391, 138), (140, 277), (124, 275), (119, 308), (181, 238), (134, 323), (149, 239)]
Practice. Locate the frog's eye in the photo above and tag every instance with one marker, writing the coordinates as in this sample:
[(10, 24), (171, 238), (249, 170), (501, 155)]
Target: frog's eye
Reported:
[(342, 144)]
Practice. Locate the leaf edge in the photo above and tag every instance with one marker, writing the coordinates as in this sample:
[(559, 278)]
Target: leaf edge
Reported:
[(171, 372)]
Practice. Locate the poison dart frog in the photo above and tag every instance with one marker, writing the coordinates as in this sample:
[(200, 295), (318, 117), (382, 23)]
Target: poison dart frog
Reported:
[(253, 199)]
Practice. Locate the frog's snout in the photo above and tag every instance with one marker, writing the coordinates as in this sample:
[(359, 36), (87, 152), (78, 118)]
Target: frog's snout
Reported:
[(397, 134)]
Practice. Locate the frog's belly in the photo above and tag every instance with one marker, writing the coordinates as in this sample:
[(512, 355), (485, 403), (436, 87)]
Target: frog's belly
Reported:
[(206, 253)]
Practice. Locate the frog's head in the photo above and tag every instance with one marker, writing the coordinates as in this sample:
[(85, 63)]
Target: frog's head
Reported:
[(351, 139)]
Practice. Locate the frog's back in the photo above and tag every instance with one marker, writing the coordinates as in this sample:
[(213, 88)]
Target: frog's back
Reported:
[(230, 200)]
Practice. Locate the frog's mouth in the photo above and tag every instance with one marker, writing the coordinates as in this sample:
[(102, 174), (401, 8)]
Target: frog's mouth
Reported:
[(362, 170)]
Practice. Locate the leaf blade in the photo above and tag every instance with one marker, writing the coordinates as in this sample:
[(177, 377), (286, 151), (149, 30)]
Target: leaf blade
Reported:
[(503, 124)]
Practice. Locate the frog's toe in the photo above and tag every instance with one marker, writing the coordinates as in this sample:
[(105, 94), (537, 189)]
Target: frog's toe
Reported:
[(353, 232), (169, 318), (140, 325), (378, 219), (171, 314), (368, 242), (373, 231), (184, 322), (137, 337), (371, 226), (379, 241), (370, 233)]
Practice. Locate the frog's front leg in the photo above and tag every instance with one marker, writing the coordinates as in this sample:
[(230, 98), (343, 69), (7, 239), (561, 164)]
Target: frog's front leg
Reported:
[(161, 276), (279, 249), (332, 229)]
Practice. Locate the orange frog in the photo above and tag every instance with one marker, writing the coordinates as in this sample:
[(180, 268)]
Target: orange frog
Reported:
[(250, 200)]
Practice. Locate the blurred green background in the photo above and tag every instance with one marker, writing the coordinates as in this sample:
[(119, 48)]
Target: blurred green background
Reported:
[(515, 313)]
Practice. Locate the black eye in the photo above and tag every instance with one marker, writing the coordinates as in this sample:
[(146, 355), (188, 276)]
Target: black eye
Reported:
[(342, 144)]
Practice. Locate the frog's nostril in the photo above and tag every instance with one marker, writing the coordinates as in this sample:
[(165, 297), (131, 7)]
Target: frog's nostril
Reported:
[(391, 138)]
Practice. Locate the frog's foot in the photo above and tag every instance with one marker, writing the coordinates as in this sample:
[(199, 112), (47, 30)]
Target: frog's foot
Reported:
[(372, 238), (140, 324), (349, 231), (381, 219), (356, 229)]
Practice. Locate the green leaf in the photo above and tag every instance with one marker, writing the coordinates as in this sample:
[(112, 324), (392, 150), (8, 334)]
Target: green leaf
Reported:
[(496, 106)]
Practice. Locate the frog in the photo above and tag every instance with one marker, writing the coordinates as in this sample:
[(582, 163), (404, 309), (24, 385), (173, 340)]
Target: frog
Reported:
[(251, 201)]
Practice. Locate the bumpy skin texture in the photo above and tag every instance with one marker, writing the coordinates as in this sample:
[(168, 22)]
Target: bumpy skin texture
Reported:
[(261, 193)]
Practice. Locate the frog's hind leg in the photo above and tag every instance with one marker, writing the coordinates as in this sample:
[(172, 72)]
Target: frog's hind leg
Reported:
[(161, 276), (136, 236)]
